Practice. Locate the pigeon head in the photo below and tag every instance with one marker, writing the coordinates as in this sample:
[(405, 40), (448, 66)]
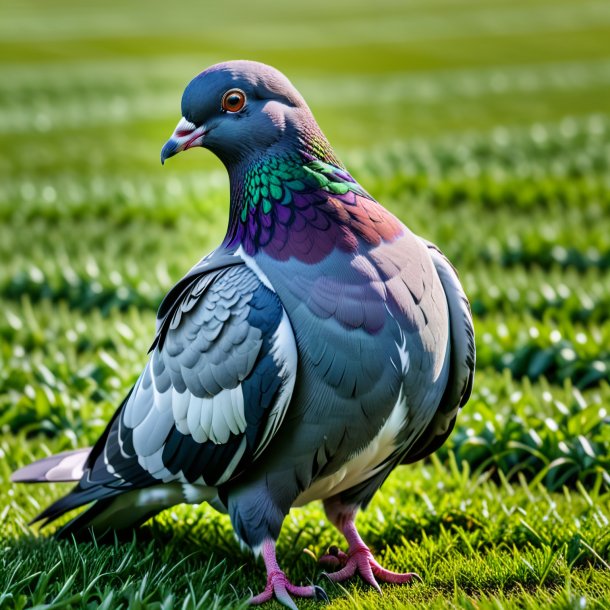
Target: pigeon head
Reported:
[(239, 109)]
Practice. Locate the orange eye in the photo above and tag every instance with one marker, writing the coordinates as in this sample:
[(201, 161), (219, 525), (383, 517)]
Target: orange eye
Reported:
[(233, 100)]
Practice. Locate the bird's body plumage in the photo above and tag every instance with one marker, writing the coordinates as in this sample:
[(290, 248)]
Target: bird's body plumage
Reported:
[(321, 345)]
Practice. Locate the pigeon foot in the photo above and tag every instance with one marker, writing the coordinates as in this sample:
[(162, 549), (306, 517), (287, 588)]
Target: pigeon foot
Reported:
[(360, 559), (278, 584)]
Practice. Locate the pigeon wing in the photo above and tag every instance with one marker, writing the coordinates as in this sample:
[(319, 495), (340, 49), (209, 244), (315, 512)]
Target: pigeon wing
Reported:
[(212, 396), (462, 361)]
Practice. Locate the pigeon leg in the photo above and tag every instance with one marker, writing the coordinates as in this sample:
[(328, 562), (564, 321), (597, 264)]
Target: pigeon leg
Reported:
[(358, 557), (279, 585)]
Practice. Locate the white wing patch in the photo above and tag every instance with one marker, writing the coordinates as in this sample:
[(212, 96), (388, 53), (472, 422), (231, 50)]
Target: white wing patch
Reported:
[(284, 355), (253, 265), (154, 465), (213, 418)]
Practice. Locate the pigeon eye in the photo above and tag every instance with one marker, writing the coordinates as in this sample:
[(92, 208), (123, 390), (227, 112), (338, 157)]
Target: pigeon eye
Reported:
[(233, 100)]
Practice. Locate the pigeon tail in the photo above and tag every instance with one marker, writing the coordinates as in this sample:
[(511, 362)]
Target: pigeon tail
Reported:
[(75, 499), (120, 514), (59, 468), (116, 510)]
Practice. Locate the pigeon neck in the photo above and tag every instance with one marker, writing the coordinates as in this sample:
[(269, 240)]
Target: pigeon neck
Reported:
[(312, 143), (260, 183), (293, 204)]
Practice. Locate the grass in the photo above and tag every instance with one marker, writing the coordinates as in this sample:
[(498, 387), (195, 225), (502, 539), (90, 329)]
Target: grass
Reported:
[(484, 125), (474, 542)]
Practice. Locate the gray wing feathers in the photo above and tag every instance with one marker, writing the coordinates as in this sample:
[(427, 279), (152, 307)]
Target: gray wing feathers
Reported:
[(463, 353), (214, 347), (461, 360), (227, 333), (204, 269)]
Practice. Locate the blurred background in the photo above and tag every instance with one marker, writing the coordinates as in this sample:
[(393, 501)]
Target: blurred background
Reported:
[(483, 124)]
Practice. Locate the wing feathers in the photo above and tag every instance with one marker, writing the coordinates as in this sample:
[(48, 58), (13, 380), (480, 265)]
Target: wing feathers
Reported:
[(209, 401), (462, 361), (229, 339)]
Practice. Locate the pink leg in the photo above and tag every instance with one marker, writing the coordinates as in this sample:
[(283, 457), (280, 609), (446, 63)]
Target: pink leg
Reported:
[(358, 557), (279, 585)]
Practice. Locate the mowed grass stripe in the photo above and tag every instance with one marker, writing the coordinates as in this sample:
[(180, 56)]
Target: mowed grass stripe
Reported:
[(488, 169), (559, 349), (118, 101), (63, 59), (546, 295), (516, 241), (420, 22), (516, 244), (558, 294)]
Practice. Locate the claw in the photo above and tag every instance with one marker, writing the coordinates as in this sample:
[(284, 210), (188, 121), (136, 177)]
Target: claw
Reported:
[(321, 595)]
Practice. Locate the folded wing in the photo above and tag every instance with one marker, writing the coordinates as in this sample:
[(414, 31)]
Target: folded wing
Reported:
[(212, 396), (461, 363)]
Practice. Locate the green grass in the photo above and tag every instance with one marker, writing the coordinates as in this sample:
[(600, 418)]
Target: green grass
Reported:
[(483, 124)]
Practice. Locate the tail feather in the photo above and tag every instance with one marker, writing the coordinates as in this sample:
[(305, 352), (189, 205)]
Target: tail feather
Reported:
[(123, 512), (75, 499), (114, 504), (63, 467), (97, 521), (115, 509)]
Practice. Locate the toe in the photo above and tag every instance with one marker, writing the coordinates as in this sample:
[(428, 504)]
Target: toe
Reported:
[(344, 573), (301, 591), (396, 578), (283, 589), (282, 596), (261, 598), (330, 561), (366, 573)]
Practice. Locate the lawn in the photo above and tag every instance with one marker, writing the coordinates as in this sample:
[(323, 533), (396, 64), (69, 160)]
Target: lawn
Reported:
[(483, 124)]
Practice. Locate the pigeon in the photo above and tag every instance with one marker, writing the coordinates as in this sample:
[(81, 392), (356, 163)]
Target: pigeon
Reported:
[(320, 346)]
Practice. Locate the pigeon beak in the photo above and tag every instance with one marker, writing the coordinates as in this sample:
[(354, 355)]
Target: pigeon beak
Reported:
[(186, 135)]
